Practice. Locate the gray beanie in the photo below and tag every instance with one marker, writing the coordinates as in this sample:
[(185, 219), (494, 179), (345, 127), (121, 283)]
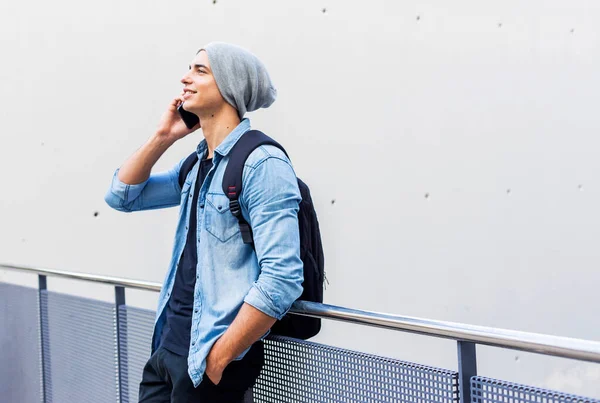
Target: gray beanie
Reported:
[(242, 79)]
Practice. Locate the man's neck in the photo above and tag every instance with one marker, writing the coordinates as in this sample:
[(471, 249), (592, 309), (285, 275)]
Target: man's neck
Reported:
[(216, 127)]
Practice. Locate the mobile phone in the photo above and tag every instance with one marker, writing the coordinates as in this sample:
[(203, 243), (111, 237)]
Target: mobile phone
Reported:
[(190, 119)]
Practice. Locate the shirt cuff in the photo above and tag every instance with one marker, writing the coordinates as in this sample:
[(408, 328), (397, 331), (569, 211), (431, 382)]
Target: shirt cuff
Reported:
[(261, 301), (125, 191)]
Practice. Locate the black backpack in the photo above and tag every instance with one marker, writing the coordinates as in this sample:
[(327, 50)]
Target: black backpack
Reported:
[(311, 249)]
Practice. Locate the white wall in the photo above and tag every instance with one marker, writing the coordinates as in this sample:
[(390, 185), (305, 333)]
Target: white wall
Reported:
[(451, 148)]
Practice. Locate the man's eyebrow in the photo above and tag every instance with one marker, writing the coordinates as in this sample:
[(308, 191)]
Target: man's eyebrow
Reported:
[(199, 66)]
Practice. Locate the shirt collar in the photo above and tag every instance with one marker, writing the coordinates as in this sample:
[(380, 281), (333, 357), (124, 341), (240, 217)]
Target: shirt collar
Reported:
[(227, 144)]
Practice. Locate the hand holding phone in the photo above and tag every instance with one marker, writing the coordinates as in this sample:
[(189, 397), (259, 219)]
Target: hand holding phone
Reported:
[(176, 122), (190, 119)]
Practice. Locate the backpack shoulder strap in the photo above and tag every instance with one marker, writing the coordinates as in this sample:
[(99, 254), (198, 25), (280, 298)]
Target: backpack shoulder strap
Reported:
[(186, 167), (232, 178)]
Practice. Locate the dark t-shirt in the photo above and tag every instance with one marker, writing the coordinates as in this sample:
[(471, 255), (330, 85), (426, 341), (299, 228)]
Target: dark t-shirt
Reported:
[(176, 333)]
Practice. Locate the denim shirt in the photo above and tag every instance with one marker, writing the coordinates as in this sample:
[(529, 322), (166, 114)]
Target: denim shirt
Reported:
[(228, 272)]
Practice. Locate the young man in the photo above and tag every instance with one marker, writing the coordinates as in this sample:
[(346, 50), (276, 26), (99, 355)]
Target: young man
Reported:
[(220, 296)]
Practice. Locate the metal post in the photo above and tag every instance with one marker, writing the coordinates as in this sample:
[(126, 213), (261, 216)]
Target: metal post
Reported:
[(44, 339), (121, 317), (467, 368)]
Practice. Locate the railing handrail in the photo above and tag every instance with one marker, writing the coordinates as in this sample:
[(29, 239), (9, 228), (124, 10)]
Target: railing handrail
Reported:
[(530, 342), (118, 281)]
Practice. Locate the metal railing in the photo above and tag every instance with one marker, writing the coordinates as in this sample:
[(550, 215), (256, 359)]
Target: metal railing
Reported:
[(467, 336)]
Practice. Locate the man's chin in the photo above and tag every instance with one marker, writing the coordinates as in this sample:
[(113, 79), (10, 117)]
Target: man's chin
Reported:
[(190, 107)]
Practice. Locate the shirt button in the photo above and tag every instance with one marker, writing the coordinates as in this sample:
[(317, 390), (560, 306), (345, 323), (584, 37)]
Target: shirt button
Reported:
[(186, 227), (190, 196), (195, 310), (202, 206), (193, 343), (197, 277)]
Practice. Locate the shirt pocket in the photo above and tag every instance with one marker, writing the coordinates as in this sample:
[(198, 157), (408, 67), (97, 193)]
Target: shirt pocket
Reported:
[(218, 219)]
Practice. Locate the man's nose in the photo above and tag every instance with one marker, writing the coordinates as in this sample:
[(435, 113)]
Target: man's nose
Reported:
[(185, 79)]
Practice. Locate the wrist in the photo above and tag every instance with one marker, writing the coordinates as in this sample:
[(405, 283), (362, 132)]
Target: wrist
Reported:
[(161, 141), (221, 356)]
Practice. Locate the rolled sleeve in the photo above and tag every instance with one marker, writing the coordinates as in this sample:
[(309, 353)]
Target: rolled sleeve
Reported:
[(161, 190), (260, 300), (125, 191), (272, 197)]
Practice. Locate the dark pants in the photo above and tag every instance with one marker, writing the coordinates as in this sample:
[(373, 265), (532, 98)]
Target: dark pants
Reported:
[(165, 379)]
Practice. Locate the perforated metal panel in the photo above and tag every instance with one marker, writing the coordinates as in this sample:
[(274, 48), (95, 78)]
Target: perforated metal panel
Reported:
[(485, 390), (301, 371), (80, 351), (136, 327), (81, 347), (20, 364)]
